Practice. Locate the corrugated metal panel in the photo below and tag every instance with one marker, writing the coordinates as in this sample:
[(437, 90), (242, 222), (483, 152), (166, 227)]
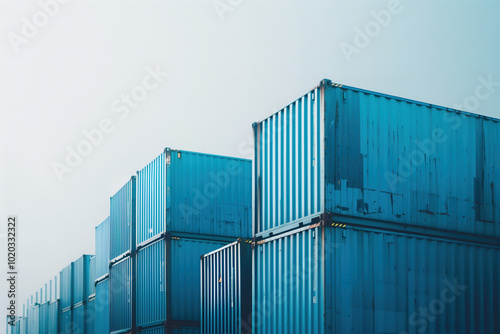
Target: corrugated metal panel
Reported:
[(23, 326), (194, 193), (386, 158), (178, 330), (53, 317), (91, 277), (66, 322), (226, 289), (373, 282), (288, 284), (44, 318), (90, 317), (101, 307), (122, 219), (33, 319), (67, 287), (102, 248), (288, 164), (79, 323), (153, 282), (80, 279), (120, 301)]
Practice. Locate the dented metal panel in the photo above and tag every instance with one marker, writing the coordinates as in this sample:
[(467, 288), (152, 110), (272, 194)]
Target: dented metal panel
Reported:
[(353, 152), (194, 193), (226, 289), (102, 248), (345, 280), (122, 219)]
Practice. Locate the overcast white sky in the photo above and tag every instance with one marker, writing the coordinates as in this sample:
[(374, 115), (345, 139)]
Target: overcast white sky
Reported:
[(226, 70)]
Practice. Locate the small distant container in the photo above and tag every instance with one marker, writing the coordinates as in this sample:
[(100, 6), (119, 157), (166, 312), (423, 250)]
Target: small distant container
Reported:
[(226, 289), (102, 249), (81, 271), (122, 220), (101, 307), (120, 296), (67, 287), (181, 191), (33, 319), (168, 281)]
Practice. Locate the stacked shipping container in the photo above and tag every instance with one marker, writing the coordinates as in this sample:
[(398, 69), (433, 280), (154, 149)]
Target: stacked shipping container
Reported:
[(101, 303), (370, 208), (188, 204)]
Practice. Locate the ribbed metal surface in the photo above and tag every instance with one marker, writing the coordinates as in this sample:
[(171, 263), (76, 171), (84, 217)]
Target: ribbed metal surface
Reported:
[(44, 318), (288, 163), (153, 282), (102, 248), (53, 318), (80, 279), (194, 193), (288, 284), (120, 301), (79, 315), (178, 330), (90, 317), (66, 322), (122, 219), (226, 289), (91, 277), (372, 282), (359, 153), (67, 287), (101, 307), (34, 320)]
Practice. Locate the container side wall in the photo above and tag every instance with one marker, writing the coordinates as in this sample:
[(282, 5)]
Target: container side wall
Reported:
[(151, 290), (289, 287), (53, 322), (102, 248), (101, 307), (91, 277), (67, 287), (395, 160), (209, 194), (79, 324), (80, 279), (66, 322), (44, 318), (288, 164), (178, 330), (151, 199), (90, 317), (121, 218), (386, 283), (120, 317), (226, 290)]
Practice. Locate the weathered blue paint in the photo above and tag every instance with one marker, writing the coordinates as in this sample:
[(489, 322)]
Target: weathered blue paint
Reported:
[(350, 280), (182, 191), (226, 289), (120, 296), (122, 219), (102, 248), (348, 151), (169, 290), (101, 307)]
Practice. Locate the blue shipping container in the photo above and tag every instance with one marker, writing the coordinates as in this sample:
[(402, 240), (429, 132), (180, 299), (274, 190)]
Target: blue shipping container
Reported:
[(169, 290), (102, 248), (122, 219), (226, 289), (190, 192), (44, 318), (177, 330), (53, 317), (33, 319), (67, 287), (101, 307), (120, 296), (353, 152), (90, 317), (345, 280), (79, 324), (81, 279)]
